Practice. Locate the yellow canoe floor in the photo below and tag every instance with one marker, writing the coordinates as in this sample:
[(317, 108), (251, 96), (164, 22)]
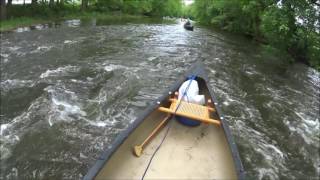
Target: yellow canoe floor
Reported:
[(200, 152)]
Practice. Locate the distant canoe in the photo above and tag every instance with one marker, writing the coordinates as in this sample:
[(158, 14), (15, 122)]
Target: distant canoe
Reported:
[(188, 26), (206, 151)]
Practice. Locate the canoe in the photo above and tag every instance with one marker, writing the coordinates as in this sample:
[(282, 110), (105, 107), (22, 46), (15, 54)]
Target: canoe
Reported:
[(188, 27), (178, 151)]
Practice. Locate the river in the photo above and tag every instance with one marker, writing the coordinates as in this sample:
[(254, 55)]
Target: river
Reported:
[(68, 88)]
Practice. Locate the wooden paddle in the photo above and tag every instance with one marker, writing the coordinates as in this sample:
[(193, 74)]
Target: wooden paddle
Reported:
[(139, 148)]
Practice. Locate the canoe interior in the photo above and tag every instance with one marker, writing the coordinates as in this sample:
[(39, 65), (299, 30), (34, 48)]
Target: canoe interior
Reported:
[(200, 152)]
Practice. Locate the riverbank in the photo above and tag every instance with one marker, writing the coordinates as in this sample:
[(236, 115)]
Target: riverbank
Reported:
[(289, 27), (13, 23), (16, 15)]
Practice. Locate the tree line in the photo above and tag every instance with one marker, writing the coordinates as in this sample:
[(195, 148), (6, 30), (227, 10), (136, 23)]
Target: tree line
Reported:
[(288, 25), (54, 7)]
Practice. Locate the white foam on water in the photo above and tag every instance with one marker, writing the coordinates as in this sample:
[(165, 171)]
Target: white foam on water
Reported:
[(310, 126), (82, 156), (306, 128), (274, 158), (3, 127), (22, 29), (13, 174), (68, 108), (34, 174), (152, 58), (64, 105), (4, 151), (49, 121), (230, 101), (313, 124), (40, 26), (110, 116), (287, 88), (242, 126), (15, 83), (249, 72), (41, 49), (264, 172), (70, 42), (212, 71), (76, 159), (314, 76), (252, 113), (100, 123), (59, 71), (112, 67), (14, 48), (11, 131), (273, 155), (73, 23), (4, 55), (8, 137), (273, 148), (65, 109)]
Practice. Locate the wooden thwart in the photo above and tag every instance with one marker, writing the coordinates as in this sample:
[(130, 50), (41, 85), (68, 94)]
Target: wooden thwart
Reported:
[(190, 110)]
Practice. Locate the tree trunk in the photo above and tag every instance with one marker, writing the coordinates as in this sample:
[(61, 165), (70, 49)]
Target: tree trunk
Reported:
[(9, 3), (34, 2), (51, 2), (61, 2), (3, 13), (8, 9), (84, 4)]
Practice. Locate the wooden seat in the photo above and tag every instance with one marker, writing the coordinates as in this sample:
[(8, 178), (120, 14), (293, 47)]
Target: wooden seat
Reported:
[(190, 110)]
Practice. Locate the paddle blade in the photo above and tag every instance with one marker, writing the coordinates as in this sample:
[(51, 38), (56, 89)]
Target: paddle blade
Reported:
[(137, 150)]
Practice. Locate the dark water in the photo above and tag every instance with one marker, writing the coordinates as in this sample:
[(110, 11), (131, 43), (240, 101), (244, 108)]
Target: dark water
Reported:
[(68, 89)]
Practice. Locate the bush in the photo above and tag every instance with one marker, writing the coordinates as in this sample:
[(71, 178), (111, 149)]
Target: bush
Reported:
[(290, 26)]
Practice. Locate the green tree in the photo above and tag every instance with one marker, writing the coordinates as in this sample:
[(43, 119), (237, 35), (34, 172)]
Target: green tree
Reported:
[(109, 5), (291, 26), (137, 7), (84, 4), (288, 25), (3, 14)]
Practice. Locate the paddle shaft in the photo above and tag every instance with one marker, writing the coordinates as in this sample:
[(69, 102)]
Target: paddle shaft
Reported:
[(155, 130)]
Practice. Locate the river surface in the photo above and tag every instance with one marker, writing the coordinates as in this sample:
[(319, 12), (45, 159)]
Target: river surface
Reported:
[(68, 88)]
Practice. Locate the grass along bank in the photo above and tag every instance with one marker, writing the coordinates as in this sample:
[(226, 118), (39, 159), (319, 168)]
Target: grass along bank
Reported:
[(13, 23), (15, 15)]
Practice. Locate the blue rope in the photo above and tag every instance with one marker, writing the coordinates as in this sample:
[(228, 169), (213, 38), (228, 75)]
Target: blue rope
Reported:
[(190, 78)]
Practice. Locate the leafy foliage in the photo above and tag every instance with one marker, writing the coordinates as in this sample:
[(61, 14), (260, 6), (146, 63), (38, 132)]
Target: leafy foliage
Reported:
[(289, 25), (145, 7), (50, 8)]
